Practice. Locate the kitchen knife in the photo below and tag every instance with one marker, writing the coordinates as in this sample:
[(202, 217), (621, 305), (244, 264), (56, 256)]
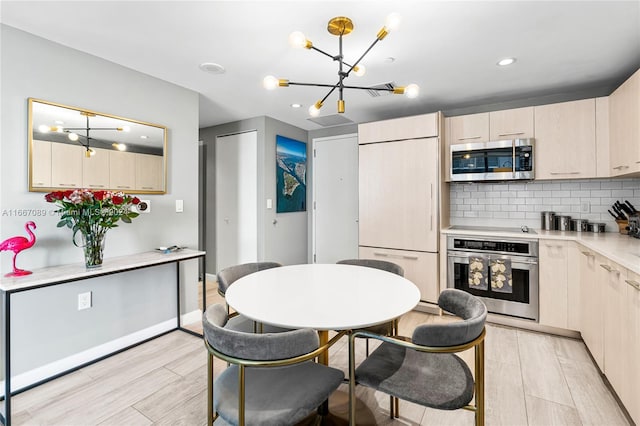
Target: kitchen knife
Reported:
[(619, 212), (616, 217), (630, 206), (624, 208)]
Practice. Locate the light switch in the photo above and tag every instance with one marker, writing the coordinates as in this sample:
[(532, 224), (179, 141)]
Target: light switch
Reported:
[(269, 203), (179, 206)]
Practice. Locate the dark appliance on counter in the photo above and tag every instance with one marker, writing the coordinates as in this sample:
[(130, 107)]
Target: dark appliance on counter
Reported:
[(503, 160), (634, 225), (503, 272)]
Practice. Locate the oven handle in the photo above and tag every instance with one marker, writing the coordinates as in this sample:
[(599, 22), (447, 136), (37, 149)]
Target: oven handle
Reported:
[(464, 256)]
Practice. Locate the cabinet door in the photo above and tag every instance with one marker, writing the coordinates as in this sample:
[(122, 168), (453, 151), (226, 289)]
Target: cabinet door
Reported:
[(553, 279), (511, 124), (565, 140), (611, 276), (41, 164), (591, 312), (66, 165), (574, 286), (624, 104), (95, 170), (419, 126), (419, 268), (631, 397), (149, 172), (122, 170), (398, 193), (469, 128)]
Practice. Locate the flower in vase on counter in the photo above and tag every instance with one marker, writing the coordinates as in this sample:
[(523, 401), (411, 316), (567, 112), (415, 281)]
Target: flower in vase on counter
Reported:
[(92, 214)]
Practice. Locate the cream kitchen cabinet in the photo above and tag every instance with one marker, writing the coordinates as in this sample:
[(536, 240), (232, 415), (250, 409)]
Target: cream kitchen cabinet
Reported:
[(468, 128), (553, 282), (624, 110), (419, 267), (611, 277), (418, 126), (631, 323), (574, 286), (398, 194), (66, 165), (122, 170), (95, 170), (591, 302), (149, 172), (566, 140), (511, 124), (41, 157)]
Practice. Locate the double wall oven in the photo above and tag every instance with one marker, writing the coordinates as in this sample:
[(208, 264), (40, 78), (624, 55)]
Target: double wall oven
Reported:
[(503, 272)]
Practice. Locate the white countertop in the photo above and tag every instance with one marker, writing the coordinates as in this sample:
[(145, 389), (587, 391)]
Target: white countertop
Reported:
[(76, 271), (622, 249)]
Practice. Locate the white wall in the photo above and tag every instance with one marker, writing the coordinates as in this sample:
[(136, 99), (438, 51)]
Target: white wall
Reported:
[(34, 67)]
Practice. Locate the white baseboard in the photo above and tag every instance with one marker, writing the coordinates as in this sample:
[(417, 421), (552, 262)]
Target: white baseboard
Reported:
[(211, 277), (191, 317), (36, 375)]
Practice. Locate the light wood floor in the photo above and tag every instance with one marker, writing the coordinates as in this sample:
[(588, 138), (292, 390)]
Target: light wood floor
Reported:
[(531, 379)]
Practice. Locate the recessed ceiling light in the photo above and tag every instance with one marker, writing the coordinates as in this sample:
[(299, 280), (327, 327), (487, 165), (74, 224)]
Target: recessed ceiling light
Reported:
[(506, 61), (212, 68), (296, 105), (143, 137), (389, 60), (59, 122)]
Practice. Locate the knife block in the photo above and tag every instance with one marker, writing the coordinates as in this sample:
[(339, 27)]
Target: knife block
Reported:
[(623, 226)]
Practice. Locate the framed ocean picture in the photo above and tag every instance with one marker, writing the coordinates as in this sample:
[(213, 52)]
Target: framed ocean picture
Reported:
[(291, 175)]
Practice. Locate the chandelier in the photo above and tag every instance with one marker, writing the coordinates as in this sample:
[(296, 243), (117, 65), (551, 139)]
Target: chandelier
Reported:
[(341, 26), (75, 137)]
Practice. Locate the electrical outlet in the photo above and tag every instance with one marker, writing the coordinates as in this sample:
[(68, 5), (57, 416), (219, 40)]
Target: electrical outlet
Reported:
[(84, 300), (585, 207)]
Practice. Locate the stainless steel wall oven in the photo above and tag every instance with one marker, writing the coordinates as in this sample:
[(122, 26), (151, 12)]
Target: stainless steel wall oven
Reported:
[(503, 272)]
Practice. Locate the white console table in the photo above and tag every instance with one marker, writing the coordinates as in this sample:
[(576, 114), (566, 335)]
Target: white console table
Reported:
[(63, 274)]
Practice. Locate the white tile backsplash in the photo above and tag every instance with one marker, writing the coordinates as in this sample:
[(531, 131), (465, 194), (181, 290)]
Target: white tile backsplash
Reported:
[(517, 204)]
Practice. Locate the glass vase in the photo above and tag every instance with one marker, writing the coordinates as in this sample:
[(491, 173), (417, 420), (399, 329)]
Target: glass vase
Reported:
[(93, 246)]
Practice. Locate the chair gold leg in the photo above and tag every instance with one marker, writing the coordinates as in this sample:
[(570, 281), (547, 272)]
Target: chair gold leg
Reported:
[(352, 381), (479, 358), (391, 407), (241, 395), (367, 346), (396, 403), (210, 390)]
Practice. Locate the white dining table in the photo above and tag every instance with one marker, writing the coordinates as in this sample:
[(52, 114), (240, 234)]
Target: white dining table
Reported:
[(323, 297)]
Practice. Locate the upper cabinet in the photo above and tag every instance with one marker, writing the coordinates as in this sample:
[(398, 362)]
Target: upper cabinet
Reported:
[(468, 128), (419, 126), (511, 124), (624, 110), (566, 140)]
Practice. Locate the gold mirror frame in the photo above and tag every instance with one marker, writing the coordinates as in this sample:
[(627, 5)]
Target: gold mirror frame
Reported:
[(95, 159)]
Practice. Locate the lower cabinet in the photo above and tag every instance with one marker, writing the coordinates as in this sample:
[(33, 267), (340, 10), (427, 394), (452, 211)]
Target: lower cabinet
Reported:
[(553, 281), (591, 312), (419, 267), (631, 398)]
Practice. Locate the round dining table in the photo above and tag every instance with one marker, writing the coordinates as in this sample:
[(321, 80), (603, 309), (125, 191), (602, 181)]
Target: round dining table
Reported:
[(323, 297)]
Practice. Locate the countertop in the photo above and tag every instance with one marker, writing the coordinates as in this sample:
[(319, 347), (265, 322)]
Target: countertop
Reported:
[(622, 249)]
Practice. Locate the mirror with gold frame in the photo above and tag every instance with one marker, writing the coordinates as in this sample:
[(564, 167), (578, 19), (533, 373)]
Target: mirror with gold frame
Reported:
[(72, 147)]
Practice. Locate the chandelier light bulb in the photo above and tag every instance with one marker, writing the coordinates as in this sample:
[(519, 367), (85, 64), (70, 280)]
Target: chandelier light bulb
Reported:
[(43, 128), (297, 39), (58, 129), (126, 129), (359, 70), (270, 82), (412, 91), (73, 136), (392, 22), (119, 146), (314, 111)]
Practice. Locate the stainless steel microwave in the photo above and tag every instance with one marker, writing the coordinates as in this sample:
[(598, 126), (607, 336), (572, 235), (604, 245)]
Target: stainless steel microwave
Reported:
[(492, 161)]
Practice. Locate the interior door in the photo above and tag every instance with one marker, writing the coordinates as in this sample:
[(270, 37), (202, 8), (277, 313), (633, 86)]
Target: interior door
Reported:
[(236, 199), (335, 198)]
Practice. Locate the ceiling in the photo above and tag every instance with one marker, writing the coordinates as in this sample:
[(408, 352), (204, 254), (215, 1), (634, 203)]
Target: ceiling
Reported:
[(564, 50)]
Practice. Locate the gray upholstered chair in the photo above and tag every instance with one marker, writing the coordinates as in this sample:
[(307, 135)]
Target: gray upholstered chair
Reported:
[(425, 369), (272, 379), (391, 327), (228, 276)]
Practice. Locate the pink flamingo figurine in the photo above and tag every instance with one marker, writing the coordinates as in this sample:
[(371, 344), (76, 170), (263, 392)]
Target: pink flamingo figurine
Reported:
[(16, 245)]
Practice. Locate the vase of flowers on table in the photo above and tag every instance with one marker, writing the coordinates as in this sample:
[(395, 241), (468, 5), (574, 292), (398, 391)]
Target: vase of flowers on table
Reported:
[(90, 214)]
